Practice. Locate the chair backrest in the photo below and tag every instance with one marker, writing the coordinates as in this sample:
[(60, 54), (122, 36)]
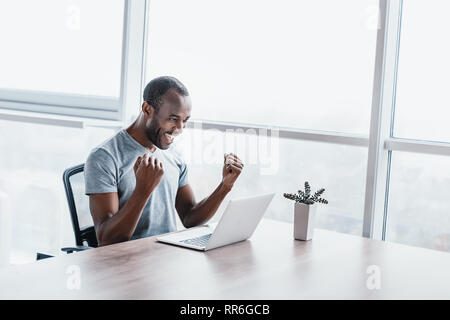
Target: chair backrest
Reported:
[(78, 202)]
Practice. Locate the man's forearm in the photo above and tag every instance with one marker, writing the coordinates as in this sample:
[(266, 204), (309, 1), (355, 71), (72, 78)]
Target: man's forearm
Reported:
[(205, 209), (120, 226)]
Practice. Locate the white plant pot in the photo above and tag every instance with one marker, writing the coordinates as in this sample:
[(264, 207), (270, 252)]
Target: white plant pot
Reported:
[(304, 221)]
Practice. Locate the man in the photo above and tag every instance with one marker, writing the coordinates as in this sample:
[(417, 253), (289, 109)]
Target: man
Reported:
[(136, 183)]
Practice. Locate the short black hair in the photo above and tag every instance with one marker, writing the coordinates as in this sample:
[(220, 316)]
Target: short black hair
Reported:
[(155, 90)]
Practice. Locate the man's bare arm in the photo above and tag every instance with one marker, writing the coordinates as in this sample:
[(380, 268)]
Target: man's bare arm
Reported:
[(111, 224), (192, 213)]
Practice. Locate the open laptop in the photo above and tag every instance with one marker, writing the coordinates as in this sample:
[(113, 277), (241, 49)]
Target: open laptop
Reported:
[(237, 223)]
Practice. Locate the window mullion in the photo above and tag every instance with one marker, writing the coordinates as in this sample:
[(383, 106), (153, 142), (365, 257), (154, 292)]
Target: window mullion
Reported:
[(383, 102)]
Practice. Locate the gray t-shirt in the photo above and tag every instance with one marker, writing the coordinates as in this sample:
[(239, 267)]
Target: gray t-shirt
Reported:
[(109, 168)]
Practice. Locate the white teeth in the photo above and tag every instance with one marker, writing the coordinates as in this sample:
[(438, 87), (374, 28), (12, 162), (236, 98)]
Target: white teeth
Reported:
[(169, 137)]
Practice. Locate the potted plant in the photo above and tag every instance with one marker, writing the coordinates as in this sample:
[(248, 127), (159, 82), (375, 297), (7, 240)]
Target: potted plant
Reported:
[(305, 211)]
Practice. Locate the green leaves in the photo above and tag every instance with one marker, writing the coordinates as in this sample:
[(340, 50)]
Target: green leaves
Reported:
[(306, 197)]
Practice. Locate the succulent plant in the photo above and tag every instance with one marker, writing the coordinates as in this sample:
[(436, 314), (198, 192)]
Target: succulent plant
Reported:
[(306, 197)]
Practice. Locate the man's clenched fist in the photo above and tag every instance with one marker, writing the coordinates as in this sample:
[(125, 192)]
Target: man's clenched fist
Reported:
[(232, 168), (148, 171)]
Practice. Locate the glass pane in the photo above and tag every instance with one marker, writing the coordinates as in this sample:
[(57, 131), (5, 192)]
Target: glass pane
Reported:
[(302, 64), (419, 206), (422, 107), (281, 166), (62, 46), (33, 160)]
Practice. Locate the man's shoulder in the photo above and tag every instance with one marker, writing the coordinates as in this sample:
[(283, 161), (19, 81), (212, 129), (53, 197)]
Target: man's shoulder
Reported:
[(100, 153), (107, 150)]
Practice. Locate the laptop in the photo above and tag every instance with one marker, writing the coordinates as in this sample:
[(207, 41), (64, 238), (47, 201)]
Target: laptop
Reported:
[(238, 222)]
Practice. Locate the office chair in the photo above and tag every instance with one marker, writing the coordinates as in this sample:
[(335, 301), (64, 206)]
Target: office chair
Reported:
[(85, 236)]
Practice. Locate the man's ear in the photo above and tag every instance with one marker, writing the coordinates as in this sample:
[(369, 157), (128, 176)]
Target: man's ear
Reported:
[(147, 109)]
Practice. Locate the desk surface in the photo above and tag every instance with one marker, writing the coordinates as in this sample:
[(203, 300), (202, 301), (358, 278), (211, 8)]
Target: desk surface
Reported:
[(271, 265)]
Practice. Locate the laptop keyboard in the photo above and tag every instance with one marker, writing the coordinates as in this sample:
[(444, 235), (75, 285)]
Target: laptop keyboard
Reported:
[(198, 241)]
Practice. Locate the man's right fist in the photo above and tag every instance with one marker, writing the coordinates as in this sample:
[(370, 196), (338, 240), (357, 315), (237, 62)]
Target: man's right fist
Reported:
[(148, 171)]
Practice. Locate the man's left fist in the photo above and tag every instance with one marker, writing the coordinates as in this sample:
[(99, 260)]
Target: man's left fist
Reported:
[(232, 167)]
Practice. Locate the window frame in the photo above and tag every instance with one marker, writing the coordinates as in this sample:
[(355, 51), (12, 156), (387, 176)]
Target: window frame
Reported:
[(380, 142)]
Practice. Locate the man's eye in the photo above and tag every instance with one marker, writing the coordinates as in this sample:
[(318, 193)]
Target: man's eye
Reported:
[(172, 119)]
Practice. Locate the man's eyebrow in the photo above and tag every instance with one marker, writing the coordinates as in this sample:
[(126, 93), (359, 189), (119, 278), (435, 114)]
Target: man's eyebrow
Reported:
[(175, 115)]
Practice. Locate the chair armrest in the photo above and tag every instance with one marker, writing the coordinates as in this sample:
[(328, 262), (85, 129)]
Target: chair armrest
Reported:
[(40, 256), (75, 249)]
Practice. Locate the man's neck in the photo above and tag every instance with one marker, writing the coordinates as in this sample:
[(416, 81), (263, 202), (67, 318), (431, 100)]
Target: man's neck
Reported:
[(137, 132)]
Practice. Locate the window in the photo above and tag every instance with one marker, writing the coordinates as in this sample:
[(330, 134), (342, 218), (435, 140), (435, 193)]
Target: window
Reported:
[(279, 165), (34, 157), (297, 64), (419, 210), (301, 67), (415, 135), (422, 104), (62, 56)]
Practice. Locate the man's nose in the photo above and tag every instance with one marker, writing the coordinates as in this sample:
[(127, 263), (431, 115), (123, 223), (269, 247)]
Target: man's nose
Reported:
[(180, 126)]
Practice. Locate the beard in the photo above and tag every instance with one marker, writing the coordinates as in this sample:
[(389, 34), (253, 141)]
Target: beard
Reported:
[(155, 134)]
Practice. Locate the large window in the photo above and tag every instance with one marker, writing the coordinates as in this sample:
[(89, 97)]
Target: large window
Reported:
[(298, 64), (348, 95), (32, 198), (295, 65), (282, 166), (423, 103), (62, 56), (302, 65), (418, 210)]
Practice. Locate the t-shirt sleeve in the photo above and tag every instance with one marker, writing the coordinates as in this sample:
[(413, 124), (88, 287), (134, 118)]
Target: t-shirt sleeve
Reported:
[(100, 173), (183, 180)]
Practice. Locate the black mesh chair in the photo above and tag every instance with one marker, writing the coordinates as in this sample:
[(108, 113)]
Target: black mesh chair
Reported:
[(83, 229)]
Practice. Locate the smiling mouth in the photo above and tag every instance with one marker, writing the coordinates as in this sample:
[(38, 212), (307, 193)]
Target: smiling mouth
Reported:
[(170, 136)]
